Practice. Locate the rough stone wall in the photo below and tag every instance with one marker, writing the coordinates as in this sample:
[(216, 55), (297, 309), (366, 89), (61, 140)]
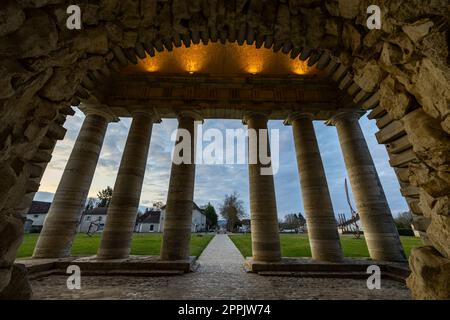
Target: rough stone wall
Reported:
[(403, 70)]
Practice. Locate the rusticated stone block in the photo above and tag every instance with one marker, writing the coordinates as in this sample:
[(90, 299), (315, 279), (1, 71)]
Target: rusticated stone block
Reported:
[(430, 274), (18, 288), (46, 48)]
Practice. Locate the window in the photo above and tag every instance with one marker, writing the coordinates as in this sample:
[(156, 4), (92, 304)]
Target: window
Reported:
[(88, 218), (100, 218), (151, 227), (36, 216)]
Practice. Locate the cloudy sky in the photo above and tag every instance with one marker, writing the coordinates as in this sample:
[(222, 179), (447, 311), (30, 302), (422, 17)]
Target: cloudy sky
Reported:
[(215, 181)]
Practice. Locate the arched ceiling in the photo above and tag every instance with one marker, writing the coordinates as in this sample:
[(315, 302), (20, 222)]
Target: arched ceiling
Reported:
[(224, 81), (220, 59)]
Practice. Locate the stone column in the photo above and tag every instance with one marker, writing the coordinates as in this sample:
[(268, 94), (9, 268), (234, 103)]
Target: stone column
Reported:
[(178, 214), (122, 212), (263, 206), (380, 232), (58, 232), (322, 229)]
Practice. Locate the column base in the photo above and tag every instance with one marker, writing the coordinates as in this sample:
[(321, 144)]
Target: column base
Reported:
[(140, 266), (309, 268)]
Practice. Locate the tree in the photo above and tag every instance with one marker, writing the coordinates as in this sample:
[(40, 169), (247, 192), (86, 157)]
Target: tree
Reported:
[(104, 196), (232, 210), (91, 204), (404, 220), (158, 204), (211, 215), (293, 221)]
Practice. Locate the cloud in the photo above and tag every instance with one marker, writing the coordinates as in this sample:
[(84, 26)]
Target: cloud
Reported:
[(214, 181)]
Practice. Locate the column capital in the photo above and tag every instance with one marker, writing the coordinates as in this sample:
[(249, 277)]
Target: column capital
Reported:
[(298, 115), (351, 114), (190, 113), (251, 114), (147, 112), (92, 106)]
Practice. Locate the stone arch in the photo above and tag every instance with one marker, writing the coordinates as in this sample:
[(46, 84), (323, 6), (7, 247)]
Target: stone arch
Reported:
[(401, 73)]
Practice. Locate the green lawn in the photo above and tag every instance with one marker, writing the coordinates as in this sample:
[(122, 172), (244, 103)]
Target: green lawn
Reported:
[(293, 245), (143, 244)]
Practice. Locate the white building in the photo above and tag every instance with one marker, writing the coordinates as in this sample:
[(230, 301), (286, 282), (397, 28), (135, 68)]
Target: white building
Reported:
[(36, 216), (153, 221), (92, 220), (150, 221)]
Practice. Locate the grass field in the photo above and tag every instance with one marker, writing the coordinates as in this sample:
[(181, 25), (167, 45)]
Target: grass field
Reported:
[(143, 244), (293, 245)]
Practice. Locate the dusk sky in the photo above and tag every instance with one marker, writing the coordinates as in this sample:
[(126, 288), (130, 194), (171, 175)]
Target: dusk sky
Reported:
[(213, 182)]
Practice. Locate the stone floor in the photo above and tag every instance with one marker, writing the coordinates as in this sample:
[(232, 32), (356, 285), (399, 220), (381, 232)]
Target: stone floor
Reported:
[(220, 276)]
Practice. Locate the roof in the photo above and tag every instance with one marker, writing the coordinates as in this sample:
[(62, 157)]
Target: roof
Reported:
[(100, 211), (39, 207), (194, 206), (149, 217)]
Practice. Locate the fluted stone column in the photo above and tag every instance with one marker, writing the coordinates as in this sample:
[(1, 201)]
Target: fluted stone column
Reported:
[(380, 232), (58, 232), (178, 214), (122, 212), (322, 229), (263, 206)]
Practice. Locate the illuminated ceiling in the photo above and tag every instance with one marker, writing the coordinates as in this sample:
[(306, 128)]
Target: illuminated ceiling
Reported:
[(223, 81), (219, 59)]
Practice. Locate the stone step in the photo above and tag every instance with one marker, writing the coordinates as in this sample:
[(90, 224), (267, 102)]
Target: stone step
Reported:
[(124, 272), (117, 266), (39, 275), (350, 274), (309, 265), (331, 274), (134, 265)]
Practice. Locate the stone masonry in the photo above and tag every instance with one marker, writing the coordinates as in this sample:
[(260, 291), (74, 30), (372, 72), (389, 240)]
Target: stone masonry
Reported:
[(401, 73)]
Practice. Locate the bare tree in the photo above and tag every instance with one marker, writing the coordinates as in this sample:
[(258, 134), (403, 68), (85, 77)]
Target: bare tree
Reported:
[(91, 204), (232, 210), (404, 220), (293, 221), (158, 204)]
